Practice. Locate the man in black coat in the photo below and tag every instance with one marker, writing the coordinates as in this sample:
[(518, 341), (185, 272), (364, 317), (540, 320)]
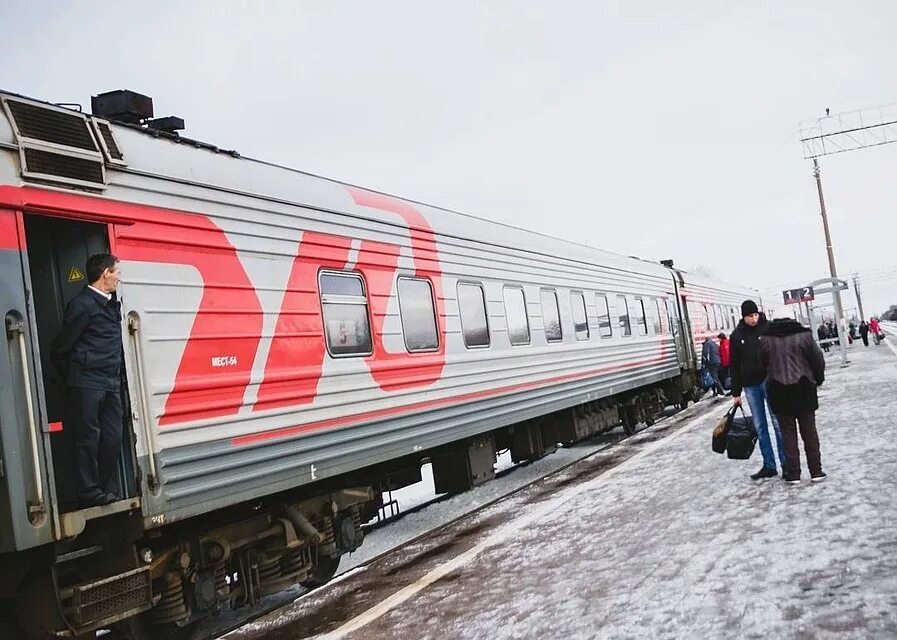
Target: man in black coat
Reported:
[(749, 374), (88, 354)]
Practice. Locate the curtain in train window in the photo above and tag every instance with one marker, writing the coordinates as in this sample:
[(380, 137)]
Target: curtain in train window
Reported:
[(472, 305), (515, 312), (658, 318), (605, 329), (551, 316), (418, 314), (623, 316), (580, 317), (345, 306)]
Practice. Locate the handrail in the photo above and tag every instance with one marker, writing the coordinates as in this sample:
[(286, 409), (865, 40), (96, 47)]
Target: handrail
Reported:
[(17, 325), (148, 431)]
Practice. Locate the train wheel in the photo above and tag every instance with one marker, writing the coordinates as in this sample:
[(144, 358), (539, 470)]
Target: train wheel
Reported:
[(324, 569)]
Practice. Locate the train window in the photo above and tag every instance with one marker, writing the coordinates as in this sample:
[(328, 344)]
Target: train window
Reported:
[(605, 330), (639, 319), (515, 312), (418, 314), (669, 315), (551, 316), (472, 304), (707, 326), (623, 316), (658, 318), (734, 317), (345, 307), (716, 322), (580, 317)]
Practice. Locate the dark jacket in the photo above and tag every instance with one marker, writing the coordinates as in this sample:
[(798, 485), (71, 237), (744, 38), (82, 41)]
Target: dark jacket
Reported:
[(795, 365), (88, 350), (746, 368), (710, 354)]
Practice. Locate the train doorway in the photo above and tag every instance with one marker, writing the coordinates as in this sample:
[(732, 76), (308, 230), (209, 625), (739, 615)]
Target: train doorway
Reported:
[(57, 251)]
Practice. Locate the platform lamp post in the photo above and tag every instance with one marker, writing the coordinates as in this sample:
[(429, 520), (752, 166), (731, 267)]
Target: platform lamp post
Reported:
[(838, 133)]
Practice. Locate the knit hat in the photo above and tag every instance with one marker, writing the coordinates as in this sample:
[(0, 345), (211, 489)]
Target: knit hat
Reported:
[(748, 307)]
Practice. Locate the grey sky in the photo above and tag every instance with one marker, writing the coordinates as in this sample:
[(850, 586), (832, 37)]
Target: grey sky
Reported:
[(658, 129)]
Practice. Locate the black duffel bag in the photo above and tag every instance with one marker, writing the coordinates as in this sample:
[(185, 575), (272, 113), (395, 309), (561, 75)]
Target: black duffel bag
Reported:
[(741, 438)]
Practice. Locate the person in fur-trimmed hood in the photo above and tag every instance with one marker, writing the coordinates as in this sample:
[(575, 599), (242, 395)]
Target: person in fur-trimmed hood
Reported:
[(795, 367)]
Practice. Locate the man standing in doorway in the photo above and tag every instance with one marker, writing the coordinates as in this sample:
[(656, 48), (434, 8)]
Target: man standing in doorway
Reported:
[(88, 354), (749, 374)]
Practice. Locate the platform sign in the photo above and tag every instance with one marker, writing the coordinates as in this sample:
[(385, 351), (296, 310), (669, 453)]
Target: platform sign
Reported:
[(795, 296)]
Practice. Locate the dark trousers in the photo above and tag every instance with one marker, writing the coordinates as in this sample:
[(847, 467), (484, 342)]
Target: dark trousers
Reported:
[(865, 337), (95, 416), (807, 426), (717, 385)]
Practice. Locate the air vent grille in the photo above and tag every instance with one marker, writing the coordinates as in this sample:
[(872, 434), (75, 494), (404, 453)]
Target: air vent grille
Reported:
[(48, 163), (51, 125), (111, 147)]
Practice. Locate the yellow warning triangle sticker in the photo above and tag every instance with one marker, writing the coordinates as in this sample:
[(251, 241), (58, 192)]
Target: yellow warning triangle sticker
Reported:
[(75, 275)]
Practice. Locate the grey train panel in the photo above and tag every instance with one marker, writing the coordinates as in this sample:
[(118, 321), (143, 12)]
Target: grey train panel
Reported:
[(17, 483), (197, 477)]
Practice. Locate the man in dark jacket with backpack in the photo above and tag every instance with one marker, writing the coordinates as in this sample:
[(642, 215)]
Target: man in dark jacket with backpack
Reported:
[(88, 354), (748, 373)]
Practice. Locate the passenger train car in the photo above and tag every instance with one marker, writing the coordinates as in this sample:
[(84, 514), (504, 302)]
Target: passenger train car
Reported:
[(294, 347)]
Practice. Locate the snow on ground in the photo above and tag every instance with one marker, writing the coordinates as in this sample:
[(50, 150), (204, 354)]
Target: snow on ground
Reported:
[(681, 544)]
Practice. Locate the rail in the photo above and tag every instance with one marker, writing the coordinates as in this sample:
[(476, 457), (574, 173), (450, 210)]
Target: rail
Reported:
[(15, 325), (144, 418)]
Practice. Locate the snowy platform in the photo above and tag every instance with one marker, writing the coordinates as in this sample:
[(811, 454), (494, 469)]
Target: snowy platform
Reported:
[(659, 538)]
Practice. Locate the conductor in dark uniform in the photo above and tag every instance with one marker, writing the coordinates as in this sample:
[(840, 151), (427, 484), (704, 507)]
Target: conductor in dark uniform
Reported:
[(88, 354)]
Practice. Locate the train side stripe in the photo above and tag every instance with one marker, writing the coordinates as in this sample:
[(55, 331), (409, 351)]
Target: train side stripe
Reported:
[(359, 418)]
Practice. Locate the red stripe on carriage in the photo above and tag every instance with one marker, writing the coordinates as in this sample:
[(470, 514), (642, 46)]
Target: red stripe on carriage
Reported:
[(9, 238), (378, 262), (229, 319)]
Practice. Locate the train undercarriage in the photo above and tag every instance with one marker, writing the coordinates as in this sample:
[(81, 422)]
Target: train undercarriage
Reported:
[(158, 583)]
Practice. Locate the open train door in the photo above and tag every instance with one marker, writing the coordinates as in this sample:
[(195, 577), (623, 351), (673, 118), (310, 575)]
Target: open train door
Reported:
[(57, 250)]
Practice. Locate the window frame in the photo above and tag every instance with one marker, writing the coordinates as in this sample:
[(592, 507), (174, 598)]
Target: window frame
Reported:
[(432, 306), (585, 311), (335, 298), (644, 323), (627, 333), (529, 332), (557, 306), (482, 289), (610, 325)]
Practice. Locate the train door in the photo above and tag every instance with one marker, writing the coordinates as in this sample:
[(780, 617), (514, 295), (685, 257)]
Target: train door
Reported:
[(57, 251)]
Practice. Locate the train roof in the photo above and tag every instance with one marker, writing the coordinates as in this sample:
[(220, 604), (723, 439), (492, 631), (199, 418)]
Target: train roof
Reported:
[(168, 156)]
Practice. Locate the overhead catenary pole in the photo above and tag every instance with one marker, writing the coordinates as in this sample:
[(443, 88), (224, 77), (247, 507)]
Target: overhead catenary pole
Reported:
[(836, 295), (856, 290)]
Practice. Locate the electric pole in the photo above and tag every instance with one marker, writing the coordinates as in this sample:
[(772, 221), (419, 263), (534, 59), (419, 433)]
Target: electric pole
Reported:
[(856, 290), (836, 294)]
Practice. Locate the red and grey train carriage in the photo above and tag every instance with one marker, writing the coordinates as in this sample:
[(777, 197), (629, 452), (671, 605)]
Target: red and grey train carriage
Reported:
[(294, 347)]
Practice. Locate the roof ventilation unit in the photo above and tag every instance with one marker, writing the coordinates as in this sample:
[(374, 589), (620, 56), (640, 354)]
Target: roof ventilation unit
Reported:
[(134, 108), (55, 144)]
